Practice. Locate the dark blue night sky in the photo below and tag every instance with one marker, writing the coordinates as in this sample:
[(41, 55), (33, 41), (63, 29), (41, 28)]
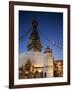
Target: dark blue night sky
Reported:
[(49, 23)]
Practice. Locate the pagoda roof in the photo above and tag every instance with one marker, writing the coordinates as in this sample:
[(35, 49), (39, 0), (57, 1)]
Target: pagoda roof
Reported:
[(48, 50)]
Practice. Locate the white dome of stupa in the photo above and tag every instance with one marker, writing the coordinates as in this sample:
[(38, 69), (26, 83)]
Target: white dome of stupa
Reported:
[(36, 58)]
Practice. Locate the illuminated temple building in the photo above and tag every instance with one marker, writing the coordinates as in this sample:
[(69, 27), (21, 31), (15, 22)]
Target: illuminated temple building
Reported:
[(34, 63)]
